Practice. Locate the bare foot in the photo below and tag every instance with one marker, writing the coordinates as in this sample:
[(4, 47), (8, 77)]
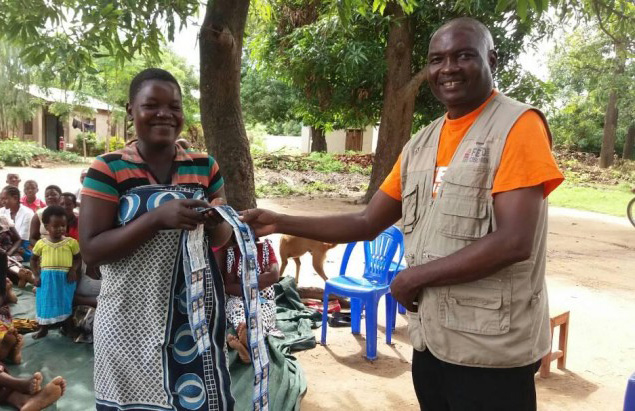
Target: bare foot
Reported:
[(16, 353), (234, 343), (49, 394), (11, 297), (33, 385), (242, 334), (23, 277), (42, 332)]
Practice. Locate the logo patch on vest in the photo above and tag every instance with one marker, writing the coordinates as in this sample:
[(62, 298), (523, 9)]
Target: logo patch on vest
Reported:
[(476, 155)]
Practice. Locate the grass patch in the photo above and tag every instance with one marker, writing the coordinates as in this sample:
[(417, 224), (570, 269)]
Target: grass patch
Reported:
[(14, 152), (602, 199)]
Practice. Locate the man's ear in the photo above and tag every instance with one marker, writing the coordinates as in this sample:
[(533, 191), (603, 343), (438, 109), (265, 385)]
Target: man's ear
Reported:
[(492, 59)]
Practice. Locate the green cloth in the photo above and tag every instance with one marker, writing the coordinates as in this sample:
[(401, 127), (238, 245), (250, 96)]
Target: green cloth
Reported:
[(57, 355), (287, 383)]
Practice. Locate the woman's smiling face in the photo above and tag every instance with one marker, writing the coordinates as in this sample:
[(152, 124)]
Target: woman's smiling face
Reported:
[(157, 112)]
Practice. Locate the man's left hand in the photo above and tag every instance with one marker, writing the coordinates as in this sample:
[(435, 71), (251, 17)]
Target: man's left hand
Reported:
[(403, 290)]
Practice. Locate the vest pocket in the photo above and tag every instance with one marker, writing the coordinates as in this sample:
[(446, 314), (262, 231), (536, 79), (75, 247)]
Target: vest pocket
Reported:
[(410, 208), (415, 331), (480, 307), (464, 218)]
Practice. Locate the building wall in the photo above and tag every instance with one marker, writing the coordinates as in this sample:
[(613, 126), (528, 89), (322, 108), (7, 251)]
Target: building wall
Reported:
[(101, 124)]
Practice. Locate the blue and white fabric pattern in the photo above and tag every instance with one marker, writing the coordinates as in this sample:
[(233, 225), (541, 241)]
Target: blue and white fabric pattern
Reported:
[(146, 357)]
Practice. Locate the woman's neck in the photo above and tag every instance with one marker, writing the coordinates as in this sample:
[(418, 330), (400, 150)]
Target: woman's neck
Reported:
[(154, 154), (14, 209), (31, 200)]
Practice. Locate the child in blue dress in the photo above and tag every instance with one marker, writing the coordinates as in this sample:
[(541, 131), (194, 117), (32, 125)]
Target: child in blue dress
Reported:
[(56, 261)]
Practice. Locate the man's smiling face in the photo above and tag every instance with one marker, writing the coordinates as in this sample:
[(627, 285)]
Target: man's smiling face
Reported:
[(460, 66)]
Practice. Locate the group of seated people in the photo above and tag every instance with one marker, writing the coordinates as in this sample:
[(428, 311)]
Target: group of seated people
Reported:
[(39, 246)]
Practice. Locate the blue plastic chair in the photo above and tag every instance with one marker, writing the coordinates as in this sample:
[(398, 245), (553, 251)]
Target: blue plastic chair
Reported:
[(366, 291), (629, 398)]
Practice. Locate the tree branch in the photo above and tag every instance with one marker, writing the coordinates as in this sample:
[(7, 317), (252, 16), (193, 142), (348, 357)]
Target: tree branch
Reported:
[(413, 85)]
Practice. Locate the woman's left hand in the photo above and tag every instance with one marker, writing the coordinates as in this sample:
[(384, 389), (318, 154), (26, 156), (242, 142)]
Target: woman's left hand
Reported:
[(212, 218), (71, 277)]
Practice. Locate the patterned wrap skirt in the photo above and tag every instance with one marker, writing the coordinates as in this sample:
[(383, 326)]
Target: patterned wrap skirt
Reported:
[(145, 355)]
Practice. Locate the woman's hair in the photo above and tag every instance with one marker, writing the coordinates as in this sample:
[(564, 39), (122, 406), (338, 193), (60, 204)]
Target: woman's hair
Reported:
[(72, 197), (53, 187), (4, 269), (147, 75), (12, 191), (52, 211)]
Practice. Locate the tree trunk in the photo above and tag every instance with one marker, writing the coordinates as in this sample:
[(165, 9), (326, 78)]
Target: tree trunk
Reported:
[(629, 142), (221, 42), (400, 90), (318, 140), (610, 118), (610, 127)]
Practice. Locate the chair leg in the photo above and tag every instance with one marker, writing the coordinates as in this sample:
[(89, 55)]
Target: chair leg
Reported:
[(325, 316), (402, 309), (371, 329), (562, 341), (390, 318), (356, 315)]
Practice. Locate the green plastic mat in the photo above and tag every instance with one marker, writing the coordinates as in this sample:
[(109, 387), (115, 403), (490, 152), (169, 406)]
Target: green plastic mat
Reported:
[(58, 355)]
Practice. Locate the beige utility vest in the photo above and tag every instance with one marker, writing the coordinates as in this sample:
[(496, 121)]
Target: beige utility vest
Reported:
[(498, 321)]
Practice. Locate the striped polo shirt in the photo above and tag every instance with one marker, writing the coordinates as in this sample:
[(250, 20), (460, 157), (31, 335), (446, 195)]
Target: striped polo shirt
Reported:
[(112, 174)]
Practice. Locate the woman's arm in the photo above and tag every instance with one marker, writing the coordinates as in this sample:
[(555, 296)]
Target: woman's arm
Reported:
[(17, 241), (84, 300), (34, 232), (269, 277), (231, 280), (35, 267), (102, 243)]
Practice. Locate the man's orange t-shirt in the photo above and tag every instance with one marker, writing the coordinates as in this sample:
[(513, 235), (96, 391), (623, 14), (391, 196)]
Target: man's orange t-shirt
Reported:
[(526, 161)]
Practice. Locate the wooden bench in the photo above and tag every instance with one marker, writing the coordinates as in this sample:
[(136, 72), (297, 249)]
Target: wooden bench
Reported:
[(562, 321)]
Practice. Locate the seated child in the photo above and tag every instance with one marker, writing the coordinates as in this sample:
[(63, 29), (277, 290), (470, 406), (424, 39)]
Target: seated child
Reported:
[(85, 303), (27, 394), (69, 202), (13, 179), (230, 265), (11, 341), (56, 261), (30, 196), (10, 246)]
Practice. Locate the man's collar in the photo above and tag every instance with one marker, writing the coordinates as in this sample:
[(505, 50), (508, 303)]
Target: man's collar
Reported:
[(131, 154)]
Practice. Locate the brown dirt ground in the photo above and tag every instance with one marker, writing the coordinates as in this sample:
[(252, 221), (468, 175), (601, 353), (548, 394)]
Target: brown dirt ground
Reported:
[(590, 273)]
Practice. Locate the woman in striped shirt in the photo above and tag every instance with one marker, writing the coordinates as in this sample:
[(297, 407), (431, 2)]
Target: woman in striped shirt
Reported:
[(138, 205)]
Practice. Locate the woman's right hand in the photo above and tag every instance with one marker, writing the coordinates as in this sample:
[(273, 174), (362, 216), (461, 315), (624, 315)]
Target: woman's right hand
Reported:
[(180, 214)]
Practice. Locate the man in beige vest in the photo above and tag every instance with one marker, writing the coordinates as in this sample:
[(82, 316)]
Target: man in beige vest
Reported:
[(471, 191)]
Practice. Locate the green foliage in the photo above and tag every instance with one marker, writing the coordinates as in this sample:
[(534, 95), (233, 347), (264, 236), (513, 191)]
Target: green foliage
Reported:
[(66, 36), (116, 143), (16, 106), (582, 74), (93, 146), (268, 101), (14, 152), (318, 162)]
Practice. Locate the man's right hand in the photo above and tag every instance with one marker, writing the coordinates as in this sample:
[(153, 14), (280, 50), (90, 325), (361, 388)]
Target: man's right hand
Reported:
[(263, 222)]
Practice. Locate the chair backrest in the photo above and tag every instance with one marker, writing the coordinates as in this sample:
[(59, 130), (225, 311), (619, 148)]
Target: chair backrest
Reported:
[(378, 255)]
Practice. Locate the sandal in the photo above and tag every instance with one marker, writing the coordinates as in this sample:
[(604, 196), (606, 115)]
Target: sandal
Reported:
[(340, 319)]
